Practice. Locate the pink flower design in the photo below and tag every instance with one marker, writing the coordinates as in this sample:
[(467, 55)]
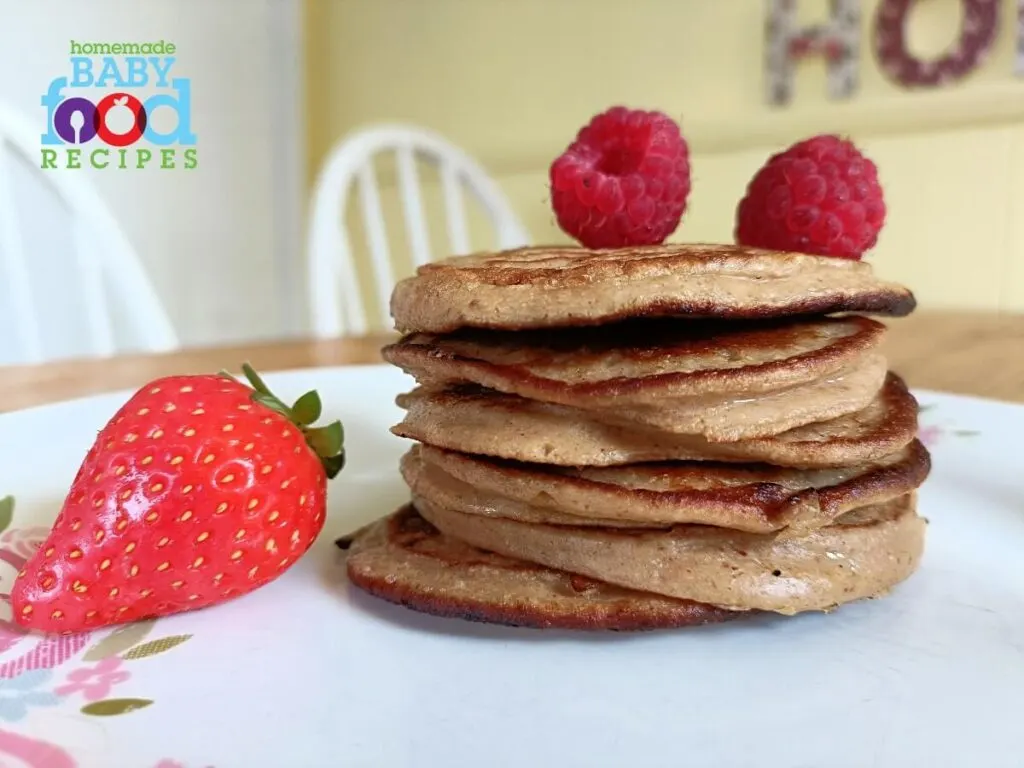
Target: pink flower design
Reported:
[(94, 683), (10, 635), (32, 753), (165, 763), (930, 435), (47, 653), (23, 542)]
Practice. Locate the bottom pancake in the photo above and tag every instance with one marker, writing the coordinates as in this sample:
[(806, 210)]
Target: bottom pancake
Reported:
[(863, 554), (403, 559)]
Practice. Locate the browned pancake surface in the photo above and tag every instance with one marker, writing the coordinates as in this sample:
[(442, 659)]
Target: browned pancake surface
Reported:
[(724, 382), (754, 498), (507, 426), (544, 287), (405, 560), (865, 553), (639, 363)]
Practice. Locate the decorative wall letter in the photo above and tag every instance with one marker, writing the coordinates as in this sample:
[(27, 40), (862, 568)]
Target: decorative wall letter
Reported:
[(981, 22), (838, 40)]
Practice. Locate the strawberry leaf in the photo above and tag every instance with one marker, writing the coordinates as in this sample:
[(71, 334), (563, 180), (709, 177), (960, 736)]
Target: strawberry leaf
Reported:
[(6, 512), (109, 707), (307, 408), (273, 404), (333, 464), (255, 380), (327, 442)]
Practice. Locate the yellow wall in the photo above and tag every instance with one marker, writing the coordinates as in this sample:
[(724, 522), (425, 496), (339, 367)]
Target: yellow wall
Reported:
[(512, 80)]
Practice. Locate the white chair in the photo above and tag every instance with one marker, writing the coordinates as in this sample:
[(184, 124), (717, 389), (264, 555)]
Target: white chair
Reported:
[(337, 305), (75, 287)]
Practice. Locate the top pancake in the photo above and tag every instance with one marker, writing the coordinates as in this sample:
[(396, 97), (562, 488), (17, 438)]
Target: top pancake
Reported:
[(547, 287)]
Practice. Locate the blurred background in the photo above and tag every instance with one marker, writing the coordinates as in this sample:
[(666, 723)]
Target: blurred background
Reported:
[(279, 86)]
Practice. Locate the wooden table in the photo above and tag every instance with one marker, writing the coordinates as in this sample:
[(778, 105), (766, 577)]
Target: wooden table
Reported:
[(975, 354)]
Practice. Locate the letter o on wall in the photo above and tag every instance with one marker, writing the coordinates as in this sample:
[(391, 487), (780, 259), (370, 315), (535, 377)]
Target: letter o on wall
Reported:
[(977, 33)]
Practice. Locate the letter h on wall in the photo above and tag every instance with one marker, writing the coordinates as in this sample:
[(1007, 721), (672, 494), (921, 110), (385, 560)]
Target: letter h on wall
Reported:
[(786, 44)]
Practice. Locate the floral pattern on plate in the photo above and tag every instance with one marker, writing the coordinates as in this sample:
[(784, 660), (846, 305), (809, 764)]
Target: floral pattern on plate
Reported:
[(933, 431), (38, 672)]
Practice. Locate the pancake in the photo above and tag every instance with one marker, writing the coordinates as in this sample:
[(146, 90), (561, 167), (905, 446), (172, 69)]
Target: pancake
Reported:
[(639, 364), (864, 554), (725, 382), (405, 560), (753, 498), (507, 426), (547, 287)]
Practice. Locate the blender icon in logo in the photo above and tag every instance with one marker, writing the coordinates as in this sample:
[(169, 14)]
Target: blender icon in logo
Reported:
[(90, 125)]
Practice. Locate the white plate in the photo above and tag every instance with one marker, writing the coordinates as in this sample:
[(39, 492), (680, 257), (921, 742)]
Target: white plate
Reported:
[(309, 673)]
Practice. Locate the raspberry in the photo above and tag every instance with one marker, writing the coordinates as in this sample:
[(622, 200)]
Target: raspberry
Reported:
[(820, 196), (623, 181)]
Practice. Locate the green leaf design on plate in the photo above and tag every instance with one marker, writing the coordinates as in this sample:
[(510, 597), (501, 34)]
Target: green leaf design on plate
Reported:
[(6, 512), (109, 707), (153, 647), (966, 432), (120, 640)]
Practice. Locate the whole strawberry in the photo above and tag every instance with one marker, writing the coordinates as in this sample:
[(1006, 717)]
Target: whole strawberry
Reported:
[(199, 489), (820, 196), (624, 181)]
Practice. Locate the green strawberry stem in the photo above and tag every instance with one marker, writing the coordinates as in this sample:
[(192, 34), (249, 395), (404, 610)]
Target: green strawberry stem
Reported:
[(327, 442)]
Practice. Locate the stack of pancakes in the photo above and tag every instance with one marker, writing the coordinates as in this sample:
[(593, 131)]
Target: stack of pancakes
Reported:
[(647, 437)]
